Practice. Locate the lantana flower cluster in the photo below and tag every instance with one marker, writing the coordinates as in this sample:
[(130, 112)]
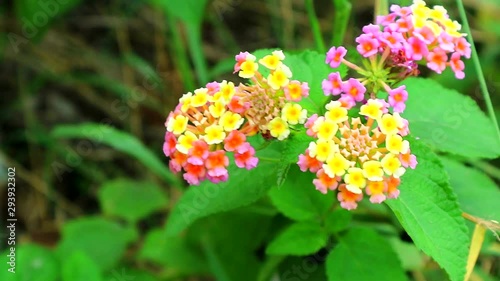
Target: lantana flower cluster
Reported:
[(368, 154), (218, 118)]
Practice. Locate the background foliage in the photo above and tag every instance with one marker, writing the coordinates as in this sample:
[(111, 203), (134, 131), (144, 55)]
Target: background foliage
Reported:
[(87, 85)]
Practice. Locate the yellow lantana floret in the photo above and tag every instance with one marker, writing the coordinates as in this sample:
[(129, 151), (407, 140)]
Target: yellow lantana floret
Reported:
[(372, 109), (322, 149), (280, 77), (392, 166), (336, 112), (293, 114), (248, 67), (226, 90), (185, 101), (273, 61), (214, 134), (231, 121), (396, 145), (216, 109), (278, 128), (355, 180), (177, 124), (185, 142), (325, 128), (390, 124), (336, 165), (372, 170), (200, 97)]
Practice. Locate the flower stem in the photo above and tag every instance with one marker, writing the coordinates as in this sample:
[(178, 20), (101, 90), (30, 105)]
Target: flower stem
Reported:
[(477, 65), (313, 20)]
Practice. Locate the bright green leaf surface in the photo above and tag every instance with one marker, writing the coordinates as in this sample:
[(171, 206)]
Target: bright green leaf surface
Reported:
[(33, 262), (300, 239), (127, 274), (298, 198), (173, 252), (338, 220), (120, 141), (448, 120), (477, 194), (79, 267), (102, 240), (410, 256), (428, 210), (130, 199), (242, 188), (361, 255)]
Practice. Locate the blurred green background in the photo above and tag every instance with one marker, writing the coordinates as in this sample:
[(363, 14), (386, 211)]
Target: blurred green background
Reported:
[(70, 67)]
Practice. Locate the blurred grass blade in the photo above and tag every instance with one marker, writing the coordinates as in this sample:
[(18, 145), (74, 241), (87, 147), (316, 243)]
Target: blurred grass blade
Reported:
[(342, 13), (381, 8), (119, 140), (475, 248), (181, 58), (316, 28), (142, 66), (196, 50), (477, 65)]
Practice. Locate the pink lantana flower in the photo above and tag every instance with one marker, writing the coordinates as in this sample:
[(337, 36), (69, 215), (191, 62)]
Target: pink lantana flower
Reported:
[(436, 60), (306, 162), (235, 141), (367, 45), (354, 89), (457, 66), (335, 55), (246, 159), (397, 98), (332, 85)]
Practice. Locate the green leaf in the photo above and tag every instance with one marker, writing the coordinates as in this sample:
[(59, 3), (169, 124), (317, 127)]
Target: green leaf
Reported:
[(410, 256), (130, 199), (173, 252), (36, 16), (129, 274), (34, 263), (298, 199), (362, 254), (449, 121), (102, 240), (307, 66), (230, 240), (477, 194), (189, 11), (120, 141), (428, 210), (296, 144), (79, 267), (300, 239), (242, 188), (338, 220)]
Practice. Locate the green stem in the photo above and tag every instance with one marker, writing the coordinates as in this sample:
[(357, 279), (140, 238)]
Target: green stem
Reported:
[(313, 20), (381, 8), (195, 48), (342, 13), (181, 59), (477, 65)]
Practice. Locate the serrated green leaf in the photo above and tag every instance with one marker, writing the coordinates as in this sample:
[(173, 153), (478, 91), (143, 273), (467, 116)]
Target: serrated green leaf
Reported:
[(445, 119), (477, 194), (361, 255), (120, 141), (296, 144), (101, 240), (33, 262), (338, 220), (79, 267), (131, 200), (242, 188), (298, 199), (428, 210), (299, 239), (173, 252), (307, 66)]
